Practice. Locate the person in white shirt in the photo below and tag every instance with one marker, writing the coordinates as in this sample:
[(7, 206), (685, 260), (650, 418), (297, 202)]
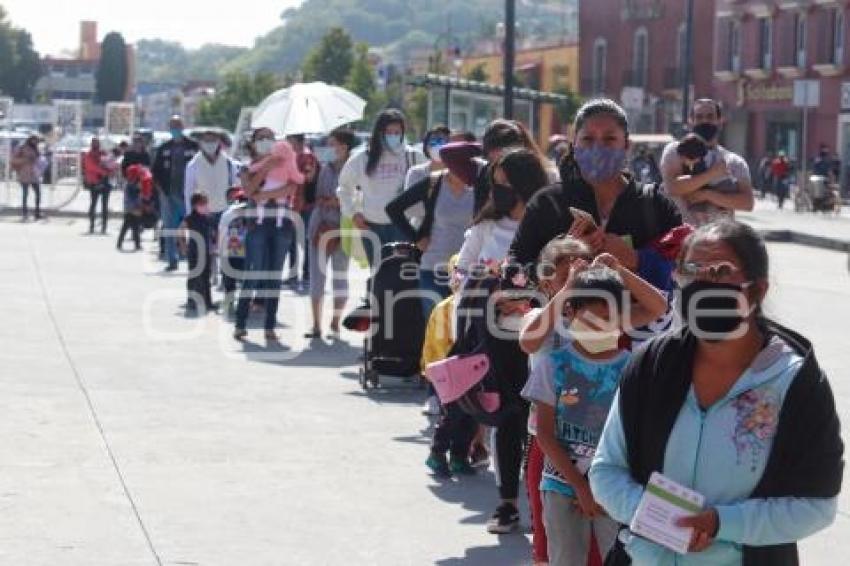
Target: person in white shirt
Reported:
[(212, 171), (372, 178)]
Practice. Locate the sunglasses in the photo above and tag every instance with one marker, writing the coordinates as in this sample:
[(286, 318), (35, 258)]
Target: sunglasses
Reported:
[(688, 271)]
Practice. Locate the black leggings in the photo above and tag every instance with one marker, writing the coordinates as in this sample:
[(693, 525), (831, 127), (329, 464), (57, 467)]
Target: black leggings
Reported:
[(36, 189), (102, 193), (513, 431), (454, 432), (134, 223)]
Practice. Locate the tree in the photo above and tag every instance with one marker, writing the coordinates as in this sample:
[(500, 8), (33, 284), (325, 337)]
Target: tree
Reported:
[(361, 79), (112, 75), (20, 64), (237, 90), (331, 60), (478, 73)]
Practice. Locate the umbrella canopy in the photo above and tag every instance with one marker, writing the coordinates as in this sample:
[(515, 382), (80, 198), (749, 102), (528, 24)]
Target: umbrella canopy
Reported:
[(308, 108)]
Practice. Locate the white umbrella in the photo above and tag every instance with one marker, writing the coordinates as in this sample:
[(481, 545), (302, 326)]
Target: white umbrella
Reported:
[(308, 108)]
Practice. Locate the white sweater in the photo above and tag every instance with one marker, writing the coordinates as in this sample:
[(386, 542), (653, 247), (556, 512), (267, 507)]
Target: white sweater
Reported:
[(213, 178), (487, 241), (369, 195)]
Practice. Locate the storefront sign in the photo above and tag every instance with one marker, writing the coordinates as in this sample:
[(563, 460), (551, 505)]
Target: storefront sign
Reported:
[(764, 93)]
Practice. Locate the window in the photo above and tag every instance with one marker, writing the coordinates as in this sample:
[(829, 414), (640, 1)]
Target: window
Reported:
[(800, 39), (735, 47), (600, 65), (837, 36), (640, 61), (765, 43)]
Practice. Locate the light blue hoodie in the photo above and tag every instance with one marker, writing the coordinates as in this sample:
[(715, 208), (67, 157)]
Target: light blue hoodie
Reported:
[(721, 453)]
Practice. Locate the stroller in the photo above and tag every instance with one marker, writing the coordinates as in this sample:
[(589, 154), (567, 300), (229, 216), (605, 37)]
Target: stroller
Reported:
[(818, 195), (393, 342)]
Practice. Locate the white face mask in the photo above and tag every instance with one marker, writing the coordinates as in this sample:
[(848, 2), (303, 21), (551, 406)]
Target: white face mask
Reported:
[(593, 340), (210, 148), (264, 147)]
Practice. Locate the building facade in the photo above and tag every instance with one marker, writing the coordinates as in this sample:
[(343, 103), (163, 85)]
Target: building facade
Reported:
[(548, 68), (762, 48), (634, 51)]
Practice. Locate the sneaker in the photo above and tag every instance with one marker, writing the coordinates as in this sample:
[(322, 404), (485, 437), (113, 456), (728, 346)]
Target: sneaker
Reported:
[(240, 334), (480, 457), (504, 520), (460, 467), (171, 267), (439, 465), (432, 407)]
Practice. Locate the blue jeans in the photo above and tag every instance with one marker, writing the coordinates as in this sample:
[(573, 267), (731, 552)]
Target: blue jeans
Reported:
[(386, 233), (431, 282), (172, 216), (265, 249)]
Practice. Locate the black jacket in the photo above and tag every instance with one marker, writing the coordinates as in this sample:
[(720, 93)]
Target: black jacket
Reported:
[(807, 455), (642, 212), (425, 191), (172, 182), (134, 158)]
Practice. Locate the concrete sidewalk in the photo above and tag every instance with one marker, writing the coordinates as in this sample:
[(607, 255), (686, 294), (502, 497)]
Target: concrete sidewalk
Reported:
[(805, 228)]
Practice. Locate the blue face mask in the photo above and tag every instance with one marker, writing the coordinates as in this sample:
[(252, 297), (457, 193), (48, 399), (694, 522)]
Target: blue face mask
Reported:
[(393, 141), (176, 133), (598, 164)]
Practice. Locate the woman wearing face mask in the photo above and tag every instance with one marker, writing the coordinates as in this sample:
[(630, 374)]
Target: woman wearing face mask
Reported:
[(371, 179), (324, 243), (733, 406), (516, 176), (623, 217), (434, 140), (269, 233)]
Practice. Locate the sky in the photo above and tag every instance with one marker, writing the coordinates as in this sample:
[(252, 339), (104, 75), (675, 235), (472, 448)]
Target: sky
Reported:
[(54, 24)]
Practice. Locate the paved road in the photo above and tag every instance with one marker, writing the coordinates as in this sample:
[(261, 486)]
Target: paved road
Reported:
[(135, 436)]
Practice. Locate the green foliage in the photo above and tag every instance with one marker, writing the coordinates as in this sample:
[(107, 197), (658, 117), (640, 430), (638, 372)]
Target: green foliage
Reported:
[(418, 110), (361, 79), (168, 61), (331, 60), (112, 73), (237, 90), (20, 64), (478, 73)]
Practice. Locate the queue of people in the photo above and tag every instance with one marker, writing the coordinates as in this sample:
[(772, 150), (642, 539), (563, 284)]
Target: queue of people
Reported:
[(623, 334)]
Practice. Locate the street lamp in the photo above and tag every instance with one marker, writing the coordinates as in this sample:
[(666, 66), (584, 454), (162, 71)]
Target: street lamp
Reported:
[(687, 62), (509, 56)]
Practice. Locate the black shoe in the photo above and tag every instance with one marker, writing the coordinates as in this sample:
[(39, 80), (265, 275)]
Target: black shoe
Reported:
[(504, 520), (171, 267), (439, 465)]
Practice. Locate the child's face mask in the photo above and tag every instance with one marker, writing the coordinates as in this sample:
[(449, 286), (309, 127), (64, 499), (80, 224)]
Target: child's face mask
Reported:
[(593, 340)]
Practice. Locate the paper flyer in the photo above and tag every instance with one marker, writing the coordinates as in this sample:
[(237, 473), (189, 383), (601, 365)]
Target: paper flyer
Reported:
[(662, 504)]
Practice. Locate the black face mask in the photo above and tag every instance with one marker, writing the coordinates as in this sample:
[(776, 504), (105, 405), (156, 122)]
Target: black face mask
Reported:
[(706, 131), (698, 312), (504, 198)]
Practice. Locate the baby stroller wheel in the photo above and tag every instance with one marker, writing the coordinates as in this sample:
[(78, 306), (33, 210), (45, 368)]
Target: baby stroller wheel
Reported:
[(361, 378), (373, 379)]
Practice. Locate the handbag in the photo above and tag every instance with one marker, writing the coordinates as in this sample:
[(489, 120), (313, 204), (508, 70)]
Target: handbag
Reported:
[(455, 376)]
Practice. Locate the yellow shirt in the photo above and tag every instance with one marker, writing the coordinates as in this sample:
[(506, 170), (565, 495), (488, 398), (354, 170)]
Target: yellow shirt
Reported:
[(439, 334)]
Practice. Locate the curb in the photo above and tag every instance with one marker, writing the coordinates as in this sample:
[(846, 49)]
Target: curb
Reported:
[(792, 237), (16, 212)]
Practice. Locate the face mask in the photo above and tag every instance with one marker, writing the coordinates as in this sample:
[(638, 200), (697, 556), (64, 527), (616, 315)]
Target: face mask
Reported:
[(711, 310), (393, 141), (264, 147), (325, 154), (504, 198), (434, 154), (592, 340), (176, 133), (210, 148), (706, 131), (599, 164)]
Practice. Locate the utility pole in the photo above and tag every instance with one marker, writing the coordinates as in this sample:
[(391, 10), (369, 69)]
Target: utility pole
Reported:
[(510, 56), (687, 62)]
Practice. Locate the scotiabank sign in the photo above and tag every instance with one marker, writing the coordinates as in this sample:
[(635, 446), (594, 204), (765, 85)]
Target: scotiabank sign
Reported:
[(763, 92)]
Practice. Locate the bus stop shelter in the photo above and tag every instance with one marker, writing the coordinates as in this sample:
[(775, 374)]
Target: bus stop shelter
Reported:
[(470, 105)]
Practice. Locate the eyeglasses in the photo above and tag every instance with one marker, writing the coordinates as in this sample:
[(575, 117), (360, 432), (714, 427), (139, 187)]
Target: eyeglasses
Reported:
[(688, 271)]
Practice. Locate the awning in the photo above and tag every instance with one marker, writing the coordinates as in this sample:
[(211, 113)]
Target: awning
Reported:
[(432, 80)]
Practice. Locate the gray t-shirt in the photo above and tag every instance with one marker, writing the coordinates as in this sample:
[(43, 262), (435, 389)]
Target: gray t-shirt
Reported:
[(452, 217), (702, 213)]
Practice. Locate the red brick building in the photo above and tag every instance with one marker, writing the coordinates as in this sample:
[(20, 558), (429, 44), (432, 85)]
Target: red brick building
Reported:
[(632, 51), (762, 47)]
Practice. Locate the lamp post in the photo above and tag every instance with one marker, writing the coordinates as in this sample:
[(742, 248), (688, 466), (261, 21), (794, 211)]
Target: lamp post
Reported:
[(687, 62), (509, 57)]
